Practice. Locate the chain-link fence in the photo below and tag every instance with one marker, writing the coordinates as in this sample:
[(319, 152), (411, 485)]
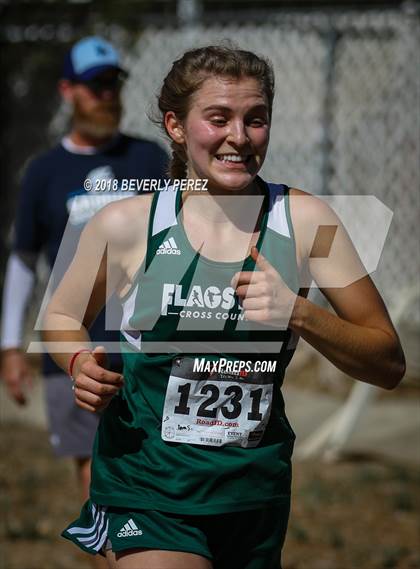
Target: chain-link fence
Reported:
[(345, 119), (345, 115)]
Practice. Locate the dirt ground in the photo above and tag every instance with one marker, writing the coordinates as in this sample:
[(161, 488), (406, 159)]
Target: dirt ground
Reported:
[(360, 513), (356, 514)]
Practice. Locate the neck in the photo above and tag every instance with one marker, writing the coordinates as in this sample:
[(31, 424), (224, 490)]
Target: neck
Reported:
[(85, 140), (237, 207)]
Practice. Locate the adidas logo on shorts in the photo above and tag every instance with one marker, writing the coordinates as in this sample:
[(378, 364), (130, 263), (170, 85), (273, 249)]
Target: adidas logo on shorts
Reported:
[(168, 247), (129, 529)]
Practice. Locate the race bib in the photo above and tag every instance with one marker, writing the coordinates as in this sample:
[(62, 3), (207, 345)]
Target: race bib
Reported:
[(216, 402)]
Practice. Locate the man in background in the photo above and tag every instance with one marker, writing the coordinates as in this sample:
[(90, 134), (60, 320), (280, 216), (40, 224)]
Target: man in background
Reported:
[(62, 188)]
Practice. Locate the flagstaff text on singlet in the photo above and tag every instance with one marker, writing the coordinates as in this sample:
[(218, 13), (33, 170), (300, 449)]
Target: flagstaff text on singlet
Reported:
[(197, 298)]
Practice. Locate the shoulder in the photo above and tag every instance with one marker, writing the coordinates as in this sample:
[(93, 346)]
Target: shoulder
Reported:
[(37, 172), (123, 223), (308, 208), (308, 214), (40, 164), (304, 202)]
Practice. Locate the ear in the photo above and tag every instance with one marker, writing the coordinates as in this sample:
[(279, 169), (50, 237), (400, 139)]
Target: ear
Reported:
[(66, 90), (174, 127)]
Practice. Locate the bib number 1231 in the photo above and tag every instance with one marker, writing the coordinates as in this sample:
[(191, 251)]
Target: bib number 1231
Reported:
[(216, 411)]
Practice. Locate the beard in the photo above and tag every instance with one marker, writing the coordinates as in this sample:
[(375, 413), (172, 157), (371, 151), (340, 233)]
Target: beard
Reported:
[(101, 122)]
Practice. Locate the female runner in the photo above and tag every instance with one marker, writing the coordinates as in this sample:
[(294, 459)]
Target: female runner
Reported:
[(191, 463)]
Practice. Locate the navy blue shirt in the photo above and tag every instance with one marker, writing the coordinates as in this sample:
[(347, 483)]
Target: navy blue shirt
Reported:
[(54, 203)]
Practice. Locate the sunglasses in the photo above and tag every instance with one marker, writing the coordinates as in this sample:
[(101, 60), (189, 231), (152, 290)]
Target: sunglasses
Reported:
[(99, 84)]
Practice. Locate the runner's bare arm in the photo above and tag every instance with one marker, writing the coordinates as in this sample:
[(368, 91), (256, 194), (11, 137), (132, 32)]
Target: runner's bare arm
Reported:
[(111, 246), (360, 338)]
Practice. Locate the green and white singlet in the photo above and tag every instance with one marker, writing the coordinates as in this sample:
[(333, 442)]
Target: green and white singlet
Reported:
[(199, 426)]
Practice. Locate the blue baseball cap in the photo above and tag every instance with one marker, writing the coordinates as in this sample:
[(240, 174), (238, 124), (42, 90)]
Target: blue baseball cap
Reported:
[(89, 57)]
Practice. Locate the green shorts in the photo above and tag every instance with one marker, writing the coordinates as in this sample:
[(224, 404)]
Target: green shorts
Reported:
[(250, 539)]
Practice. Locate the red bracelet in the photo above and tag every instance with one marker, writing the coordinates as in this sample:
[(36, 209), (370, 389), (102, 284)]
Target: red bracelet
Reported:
[(73, 359)]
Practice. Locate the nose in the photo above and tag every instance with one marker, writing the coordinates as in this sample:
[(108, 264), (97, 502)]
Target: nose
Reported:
[(238, 133), (108, 94)]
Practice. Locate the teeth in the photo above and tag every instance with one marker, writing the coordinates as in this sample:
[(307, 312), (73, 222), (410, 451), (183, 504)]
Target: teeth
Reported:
[(231, 158)]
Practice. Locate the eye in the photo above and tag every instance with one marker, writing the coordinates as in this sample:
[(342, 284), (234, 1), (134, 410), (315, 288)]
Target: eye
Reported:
[(257, 122), (218, 121)]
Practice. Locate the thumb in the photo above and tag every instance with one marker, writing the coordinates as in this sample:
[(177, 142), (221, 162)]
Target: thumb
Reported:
[(99, 353), (260, 261)]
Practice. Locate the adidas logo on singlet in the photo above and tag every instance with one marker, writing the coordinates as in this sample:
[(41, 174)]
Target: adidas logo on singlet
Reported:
[(129, 529), (168, 247)]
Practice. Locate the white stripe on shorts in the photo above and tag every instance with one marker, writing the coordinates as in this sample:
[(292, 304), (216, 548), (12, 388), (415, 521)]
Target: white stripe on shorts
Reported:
[(98, 531), (86, 530)]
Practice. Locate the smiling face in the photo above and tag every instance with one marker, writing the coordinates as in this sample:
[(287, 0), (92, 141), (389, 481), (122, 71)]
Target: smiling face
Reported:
[(225, 133)]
